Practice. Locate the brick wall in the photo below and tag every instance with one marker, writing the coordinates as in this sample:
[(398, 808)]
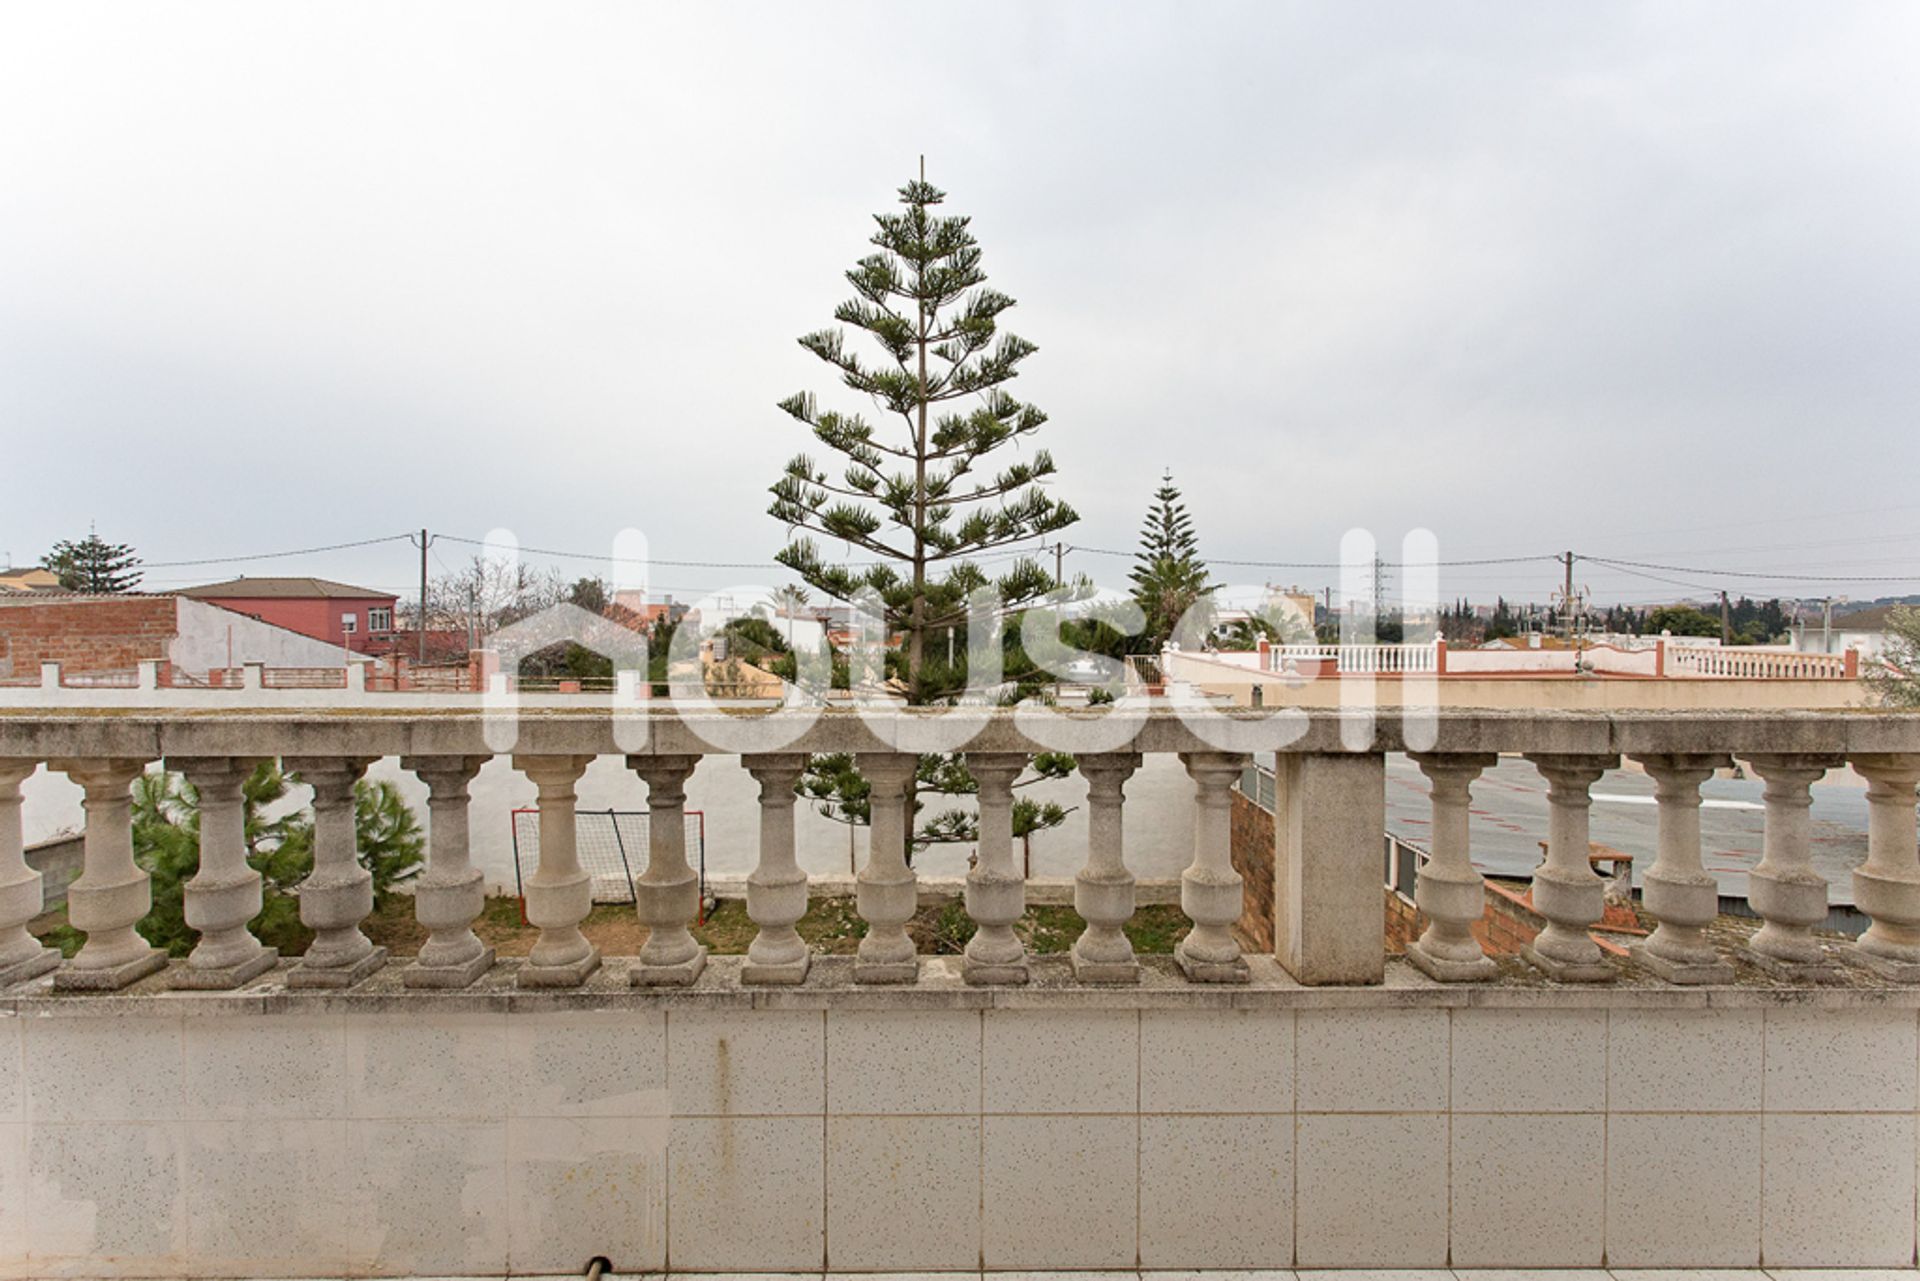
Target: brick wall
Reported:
[(84, 634), (1253, 859)]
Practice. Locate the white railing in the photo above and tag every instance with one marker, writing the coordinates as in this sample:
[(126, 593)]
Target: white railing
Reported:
[(1364, 660), (1753, 664)]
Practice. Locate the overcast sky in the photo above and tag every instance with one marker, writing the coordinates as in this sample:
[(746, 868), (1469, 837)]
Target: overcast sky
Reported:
[(1638, 280)]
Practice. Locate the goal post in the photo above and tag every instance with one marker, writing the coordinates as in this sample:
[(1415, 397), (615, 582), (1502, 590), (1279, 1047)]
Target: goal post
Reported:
[(612, 848)]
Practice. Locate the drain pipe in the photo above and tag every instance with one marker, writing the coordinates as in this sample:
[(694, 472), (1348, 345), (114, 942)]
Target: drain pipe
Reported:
[(597, 1268)]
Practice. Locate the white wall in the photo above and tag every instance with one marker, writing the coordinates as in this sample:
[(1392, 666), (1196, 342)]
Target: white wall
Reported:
[(210, 636)]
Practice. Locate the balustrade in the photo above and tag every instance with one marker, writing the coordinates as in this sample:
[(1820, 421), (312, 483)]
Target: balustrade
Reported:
[(1327, 919)]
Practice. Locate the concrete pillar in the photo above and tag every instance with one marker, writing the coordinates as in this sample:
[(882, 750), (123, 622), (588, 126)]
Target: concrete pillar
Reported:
[(1784, 889), (1103, 892), (559, 893), (1677, 891), (996, 892), (22, 956), (451, 893), (777, 889), (338, 895), (1329, 914), (1450, 891), (667, 895), (885, 889), (1887, 886), (225, 893), (112, 894), (1565, 889), (1210, 890)]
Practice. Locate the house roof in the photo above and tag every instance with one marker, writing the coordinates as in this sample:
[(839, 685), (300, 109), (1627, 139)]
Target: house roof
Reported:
[(283, 589), (1873, 618)]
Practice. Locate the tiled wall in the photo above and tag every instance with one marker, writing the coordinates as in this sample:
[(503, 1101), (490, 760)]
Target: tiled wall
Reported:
[(739, 1139)]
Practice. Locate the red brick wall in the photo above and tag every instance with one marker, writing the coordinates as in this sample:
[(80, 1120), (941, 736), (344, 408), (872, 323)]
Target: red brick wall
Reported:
[(85, 634), (1253, 859)]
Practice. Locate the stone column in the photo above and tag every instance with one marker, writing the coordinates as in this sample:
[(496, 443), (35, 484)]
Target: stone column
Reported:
[(225, 893), (1103, 889), (1565, 889), (667, 895), (996, 892), (1210, 890), (559, 893), (452, 892), (885, 890), (777, 890), (1784, 889), (338, 895), (1677, 891), (1887, 886), (112, 894), (1330, 816), (1449, 890), (22, 956)]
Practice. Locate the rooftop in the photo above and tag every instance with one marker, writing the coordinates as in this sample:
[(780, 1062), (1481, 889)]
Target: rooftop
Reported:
[(287, 588)]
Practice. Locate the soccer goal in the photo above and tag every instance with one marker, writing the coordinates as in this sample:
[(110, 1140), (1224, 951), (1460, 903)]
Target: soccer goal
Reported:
[(611, 844)]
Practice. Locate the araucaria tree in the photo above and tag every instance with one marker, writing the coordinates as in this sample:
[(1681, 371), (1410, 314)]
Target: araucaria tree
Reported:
[(918, 493), (1169, 578), (927, 484), (93, 565)]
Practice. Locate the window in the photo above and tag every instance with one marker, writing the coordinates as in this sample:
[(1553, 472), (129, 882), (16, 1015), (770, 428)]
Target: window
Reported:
[(349, 623), (379, 620)]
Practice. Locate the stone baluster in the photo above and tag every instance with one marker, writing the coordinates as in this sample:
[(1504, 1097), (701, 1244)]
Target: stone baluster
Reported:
[(22, 956), (338, 894), (1565, 889), (996, 893), (1103, 889), (452, 892), (667, 894), (1449, 889), (560, 892), (1784, 889), (113, 893), (1887, 886), (1677, 891), (1210, 890), (886, 890), (225, 893), (777, 889)]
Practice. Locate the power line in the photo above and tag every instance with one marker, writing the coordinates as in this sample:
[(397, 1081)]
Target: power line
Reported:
[(1760, 574), (1307, 564), (303, 551)]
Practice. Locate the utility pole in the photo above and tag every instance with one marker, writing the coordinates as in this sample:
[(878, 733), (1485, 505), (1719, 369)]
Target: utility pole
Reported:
[(423, 597), (1726, 624), (1566, 595), (1059, 568), (1826, 625)]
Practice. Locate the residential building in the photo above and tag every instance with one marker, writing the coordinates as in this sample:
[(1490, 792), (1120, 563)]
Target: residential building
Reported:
[(29, 578), (337, 613), (100, 635)]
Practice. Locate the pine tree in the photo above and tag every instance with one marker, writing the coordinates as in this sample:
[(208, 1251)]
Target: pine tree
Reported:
[(93, 565), (1169, 577), (914, 490)]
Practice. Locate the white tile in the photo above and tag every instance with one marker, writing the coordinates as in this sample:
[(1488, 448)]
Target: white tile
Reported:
[(13, 1096), (1697, 1274), (1532, 1274), (1839, 1190), (13, 1191), (1840, 1274), (76, 1069), (1216, 1191), (1060, 1191), (1683, 1190), (903, 1062), (1373, 1274), (746, 1192), (587, 1063), (1348, 1168), (1840, 1060), (270, 1196), (747, 1062), (111, 1190), (1070, 1061), (1216, 1060), (584, 1187), (1230, 1274), (289, 1067), (1529, 1191), (903, 1192), (1371, 1061), (1686, 1060), (431, 1197), (422, 1066), (1529, 1060)]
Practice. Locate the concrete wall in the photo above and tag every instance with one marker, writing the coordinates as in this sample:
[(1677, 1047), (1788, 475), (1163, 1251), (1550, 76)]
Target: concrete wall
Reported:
[(208, 635), (473, 1135)]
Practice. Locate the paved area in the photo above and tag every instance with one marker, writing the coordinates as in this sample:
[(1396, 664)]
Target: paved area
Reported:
[(1316, 1274), (1510, 820)]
